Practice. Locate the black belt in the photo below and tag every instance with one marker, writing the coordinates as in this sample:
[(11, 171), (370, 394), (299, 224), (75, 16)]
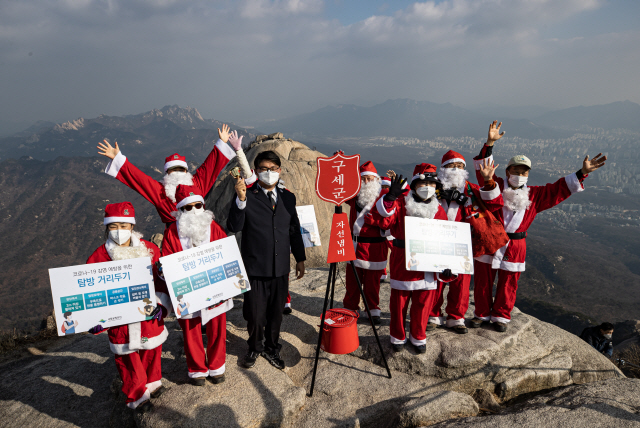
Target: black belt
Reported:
[(516, 236), (369, 240), (398, 243)]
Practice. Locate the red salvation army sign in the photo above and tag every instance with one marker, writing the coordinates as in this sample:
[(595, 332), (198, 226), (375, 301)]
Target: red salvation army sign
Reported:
[(338, 178)]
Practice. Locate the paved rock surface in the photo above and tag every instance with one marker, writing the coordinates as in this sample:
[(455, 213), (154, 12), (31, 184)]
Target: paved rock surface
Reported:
[(74, 382)]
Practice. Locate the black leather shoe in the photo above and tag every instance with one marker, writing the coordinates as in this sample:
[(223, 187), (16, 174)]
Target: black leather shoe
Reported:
[(217, 379), (287, 311), (500, 326), (274, 359), (198, 381), (376, 320), (144, 407), (475, 323), (431, 326), (158, 392), (397, 347), (460, 329), (250, 359), (420, 349)]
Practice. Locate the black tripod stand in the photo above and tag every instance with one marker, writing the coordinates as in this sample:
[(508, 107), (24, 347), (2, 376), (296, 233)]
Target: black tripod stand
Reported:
[(331, 284)]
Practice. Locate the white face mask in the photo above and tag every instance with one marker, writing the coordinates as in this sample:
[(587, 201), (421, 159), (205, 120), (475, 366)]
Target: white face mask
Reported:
[(120, 236), (425, 192), (608, 336), (269, 177), (517, 181)]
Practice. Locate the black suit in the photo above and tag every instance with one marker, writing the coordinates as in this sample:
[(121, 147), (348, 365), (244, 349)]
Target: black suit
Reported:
[(267, 236)]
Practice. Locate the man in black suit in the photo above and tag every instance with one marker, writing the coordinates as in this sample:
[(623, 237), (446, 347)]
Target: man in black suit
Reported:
[(266, 215)]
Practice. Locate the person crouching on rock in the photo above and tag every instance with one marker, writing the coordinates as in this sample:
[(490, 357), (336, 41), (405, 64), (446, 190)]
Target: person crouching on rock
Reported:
[(195, 226), (420, 288), (138, 346)]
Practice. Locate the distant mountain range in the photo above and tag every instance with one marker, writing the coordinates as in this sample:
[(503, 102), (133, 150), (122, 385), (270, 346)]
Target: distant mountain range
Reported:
[(147, 137), (423, 119)]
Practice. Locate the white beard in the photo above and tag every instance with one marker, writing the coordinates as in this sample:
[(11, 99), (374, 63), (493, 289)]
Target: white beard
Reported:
[(194, 226), (421, 209), (517, 199), (171, 182), (369, 192), (453, 178), (136, 250)]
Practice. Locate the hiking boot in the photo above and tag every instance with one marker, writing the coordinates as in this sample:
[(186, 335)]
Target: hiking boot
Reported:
[(475, 323), (431, 326), (500, 326), (217, 379), (420, 349), (158, 392), (274, 359), (397, 347), (287, 311), (250, 359), (144, 407), (460, 329), (198, 381)]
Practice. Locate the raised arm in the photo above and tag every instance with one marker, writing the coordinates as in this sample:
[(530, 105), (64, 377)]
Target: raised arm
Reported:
[(219, 157), (384, 212), (490, 193), (487, 150)]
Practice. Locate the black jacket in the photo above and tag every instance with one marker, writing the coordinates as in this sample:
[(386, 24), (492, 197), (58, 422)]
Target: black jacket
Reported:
[(592, 336), (267, 235)]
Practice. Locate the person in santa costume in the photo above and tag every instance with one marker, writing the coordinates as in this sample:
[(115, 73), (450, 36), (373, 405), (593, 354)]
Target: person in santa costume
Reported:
[(163, 195), (195, 226), (456, 199), (419, 288), (521, 205), (138, 346), (370, 244)]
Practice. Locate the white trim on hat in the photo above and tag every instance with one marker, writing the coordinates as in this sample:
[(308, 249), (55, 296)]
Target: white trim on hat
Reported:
[(368, 173), (109, 220), (175, 163), (189, 200), (452, 160)]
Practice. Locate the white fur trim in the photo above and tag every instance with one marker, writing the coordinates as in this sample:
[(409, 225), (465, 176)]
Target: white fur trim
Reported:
[(382, 210), (146, 396), (477, 163), (287, 305), (500, 319), (482, 318), (209, 314), (395, 341), (573, 183), (370, 265), (226, 150), (154, 385), (417, 342), (374, 312), (442, 280), (175, 163), (217, 372), (189, 200), (109, 220), (363, 173), (437, 320), (195, 375), (424, 284), (151, 343), (489, 195), (512, 267), (114, 165), (383, 277), (454, 323), (454, 160), (512, 221), (135, 336), (452, 210), (250, 180)]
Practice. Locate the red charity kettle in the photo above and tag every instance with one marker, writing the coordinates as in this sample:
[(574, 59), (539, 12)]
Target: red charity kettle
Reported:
[(340, 334)]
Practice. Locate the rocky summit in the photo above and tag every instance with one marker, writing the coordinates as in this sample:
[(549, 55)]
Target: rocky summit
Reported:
[(482, 378)]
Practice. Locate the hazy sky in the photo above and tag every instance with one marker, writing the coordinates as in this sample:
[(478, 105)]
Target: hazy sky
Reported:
[(258, 59)]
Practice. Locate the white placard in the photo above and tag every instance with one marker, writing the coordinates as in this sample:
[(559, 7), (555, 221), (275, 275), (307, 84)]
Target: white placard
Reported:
[(109, 294), (308, 225), (204, 276), (436, 245)]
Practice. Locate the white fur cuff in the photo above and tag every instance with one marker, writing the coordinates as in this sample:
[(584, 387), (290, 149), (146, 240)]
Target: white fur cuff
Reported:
[(225, 149), (113, 167), (479, 162)]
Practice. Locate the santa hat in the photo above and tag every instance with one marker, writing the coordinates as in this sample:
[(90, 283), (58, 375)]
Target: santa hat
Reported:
[(367, 168), (188, 195), (119, 213), (385, 181), (451, 157), (425, 171), (175, 160)]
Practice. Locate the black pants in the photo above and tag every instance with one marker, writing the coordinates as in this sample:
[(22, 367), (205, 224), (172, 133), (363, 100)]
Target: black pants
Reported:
[(262, 309)]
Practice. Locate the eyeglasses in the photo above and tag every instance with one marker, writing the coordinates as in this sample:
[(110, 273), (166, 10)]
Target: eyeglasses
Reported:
[(274, 169), (188, 207)]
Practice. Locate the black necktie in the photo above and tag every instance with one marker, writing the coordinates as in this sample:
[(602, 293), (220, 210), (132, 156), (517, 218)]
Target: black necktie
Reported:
[(273, 199)]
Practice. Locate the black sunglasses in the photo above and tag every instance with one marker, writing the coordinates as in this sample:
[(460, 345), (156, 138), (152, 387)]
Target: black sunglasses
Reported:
[(196, 206)]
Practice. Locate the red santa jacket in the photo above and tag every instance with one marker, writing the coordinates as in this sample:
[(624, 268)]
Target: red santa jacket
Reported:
[(512, 256), (172, 243), (492, 200), (154, 192), (129, 338), (369, 240), (393, 219)]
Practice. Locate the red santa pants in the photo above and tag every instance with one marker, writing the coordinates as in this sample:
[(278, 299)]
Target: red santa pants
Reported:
[(141, 374), (370, 280), (288, 302), (421, 303), (199, 364), (496, 309), (457, 301)]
